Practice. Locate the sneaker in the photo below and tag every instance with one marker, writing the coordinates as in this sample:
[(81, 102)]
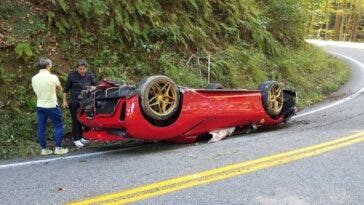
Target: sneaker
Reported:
[(46, 151), (84, 141), (60, 150), (78, 143)]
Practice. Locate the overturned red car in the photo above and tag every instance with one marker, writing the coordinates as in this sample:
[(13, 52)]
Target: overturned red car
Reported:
[(156, 109)]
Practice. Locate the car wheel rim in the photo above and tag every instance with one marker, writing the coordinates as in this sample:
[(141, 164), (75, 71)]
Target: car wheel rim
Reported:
[(162, 98), (276, 99)]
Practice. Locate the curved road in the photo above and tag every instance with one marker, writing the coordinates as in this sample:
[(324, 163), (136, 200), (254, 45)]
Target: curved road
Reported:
[(327, 174)]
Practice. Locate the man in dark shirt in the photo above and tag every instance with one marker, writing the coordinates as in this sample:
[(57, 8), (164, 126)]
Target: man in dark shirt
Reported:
[(76, 82)]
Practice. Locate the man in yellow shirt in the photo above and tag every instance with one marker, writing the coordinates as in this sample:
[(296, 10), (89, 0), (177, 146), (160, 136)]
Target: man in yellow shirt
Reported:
[(45, 86)]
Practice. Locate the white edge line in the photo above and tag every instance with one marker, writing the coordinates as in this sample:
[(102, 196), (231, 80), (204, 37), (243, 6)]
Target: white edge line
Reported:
[(112, 151), (4, 166), (339, 101)]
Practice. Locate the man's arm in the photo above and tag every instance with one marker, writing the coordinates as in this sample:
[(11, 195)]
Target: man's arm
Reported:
[(59, 88), (64, 102), (58, 84), (67, 87)]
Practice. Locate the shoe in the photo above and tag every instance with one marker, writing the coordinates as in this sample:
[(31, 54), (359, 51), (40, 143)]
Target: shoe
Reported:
[(46, 151), (78, 144), (60, 150), (84, 141)]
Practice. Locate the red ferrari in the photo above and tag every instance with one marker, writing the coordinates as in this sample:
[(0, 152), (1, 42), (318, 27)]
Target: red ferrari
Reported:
[(156, 109)]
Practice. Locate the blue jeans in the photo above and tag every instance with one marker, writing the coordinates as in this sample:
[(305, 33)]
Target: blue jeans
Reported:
[(55, 115)]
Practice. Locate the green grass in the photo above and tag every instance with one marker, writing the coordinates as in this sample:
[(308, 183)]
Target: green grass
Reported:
[(313, 73)]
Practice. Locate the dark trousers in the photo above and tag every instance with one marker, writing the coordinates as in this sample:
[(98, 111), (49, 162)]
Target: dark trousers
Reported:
[(76, 125), (55, 115)]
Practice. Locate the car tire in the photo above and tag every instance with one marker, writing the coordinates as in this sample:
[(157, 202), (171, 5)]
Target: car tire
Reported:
[(159, 97), (214, 86), (272, 98)]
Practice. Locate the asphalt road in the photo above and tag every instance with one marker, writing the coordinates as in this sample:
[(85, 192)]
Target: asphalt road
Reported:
[(334, 177)]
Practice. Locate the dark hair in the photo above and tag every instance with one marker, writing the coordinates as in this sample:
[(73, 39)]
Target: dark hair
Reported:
[(81, 62), (43, 63)]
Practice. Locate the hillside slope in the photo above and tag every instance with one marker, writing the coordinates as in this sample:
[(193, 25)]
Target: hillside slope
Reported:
[(247, 42)]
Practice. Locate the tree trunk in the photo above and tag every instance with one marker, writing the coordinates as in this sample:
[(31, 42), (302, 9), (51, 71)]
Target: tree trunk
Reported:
[(349, 19), (327, 16), (338, 21), (310, 20), (356, 20)]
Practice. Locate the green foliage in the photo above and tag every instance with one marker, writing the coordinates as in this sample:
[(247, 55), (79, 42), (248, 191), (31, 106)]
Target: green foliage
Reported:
[(311, 72), (287, 20), (5, 77), (8, 8), (184, 24), (23, 51), (17, 142), (240, 66), (50, 16), (173, 66), (25, 102), (63, 5)]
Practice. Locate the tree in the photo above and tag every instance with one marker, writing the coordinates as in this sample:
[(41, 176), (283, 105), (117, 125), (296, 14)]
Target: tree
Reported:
[(336, 19), (356, 21)]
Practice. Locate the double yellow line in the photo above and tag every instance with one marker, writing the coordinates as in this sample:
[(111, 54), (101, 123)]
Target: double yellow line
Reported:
[(184, 182)]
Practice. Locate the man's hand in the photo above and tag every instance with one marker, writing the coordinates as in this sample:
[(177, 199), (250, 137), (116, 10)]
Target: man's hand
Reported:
[(64, 102), (91, 88)]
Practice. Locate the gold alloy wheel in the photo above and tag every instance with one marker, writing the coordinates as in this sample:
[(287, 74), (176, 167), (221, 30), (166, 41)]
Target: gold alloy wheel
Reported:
[(275, 97), (162, 98)]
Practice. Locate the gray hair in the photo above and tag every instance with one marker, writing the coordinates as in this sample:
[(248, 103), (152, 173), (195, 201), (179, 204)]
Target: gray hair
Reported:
[(44, 62), (81, 62)]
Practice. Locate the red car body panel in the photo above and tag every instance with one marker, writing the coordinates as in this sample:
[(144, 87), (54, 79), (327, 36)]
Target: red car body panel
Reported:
[(201, 111)]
